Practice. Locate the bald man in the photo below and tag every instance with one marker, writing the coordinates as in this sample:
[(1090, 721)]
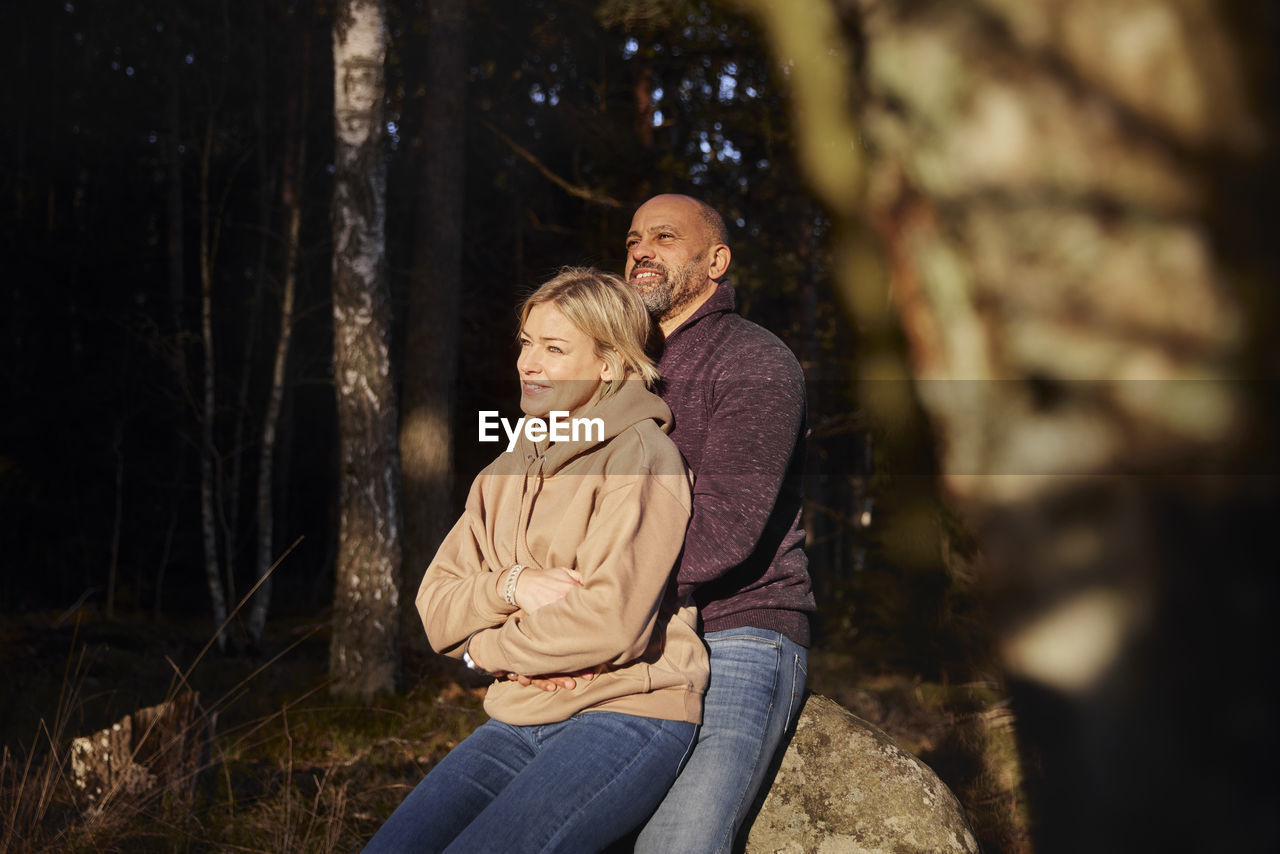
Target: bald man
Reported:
[(738, 399)]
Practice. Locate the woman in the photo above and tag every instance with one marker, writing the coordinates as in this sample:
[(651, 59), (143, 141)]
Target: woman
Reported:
[(560, 564)]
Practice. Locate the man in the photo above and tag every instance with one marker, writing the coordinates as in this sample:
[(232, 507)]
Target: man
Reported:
[(738, 399)]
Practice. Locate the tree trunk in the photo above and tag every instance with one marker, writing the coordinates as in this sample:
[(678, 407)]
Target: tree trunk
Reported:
[(208, 468), (364, 655), (431, 346), (1064, 204), (262, 173), (291, 199)]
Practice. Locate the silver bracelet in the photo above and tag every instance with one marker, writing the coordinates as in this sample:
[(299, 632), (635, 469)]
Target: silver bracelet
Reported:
[(509, 592)]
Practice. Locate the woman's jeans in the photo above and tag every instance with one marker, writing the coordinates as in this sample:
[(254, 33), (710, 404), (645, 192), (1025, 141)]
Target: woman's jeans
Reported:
[(571, 786), (757, 681)]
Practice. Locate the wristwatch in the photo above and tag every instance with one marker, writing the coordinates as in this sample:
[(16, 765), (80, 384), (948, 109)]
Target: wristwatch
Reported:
[(471, 662)]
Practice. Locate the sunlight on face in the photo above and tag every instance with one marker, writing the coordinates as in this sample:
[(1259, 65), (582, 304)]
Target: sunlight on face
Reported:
[(667, 255), (558, 365)]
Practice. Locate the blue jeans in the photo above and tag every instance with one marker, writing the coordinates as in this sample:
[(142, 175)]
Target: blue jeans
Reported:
[(570, 786), (757, 682)]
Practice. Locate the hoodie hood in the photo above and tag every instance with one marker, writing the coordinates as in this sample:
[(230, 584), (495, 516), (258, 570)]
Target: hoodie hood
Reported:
[(630, 405)]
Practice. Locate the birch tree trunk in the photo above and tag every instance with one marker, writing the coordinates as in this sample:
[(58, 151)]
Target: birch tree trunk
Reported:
[(208, 453), (295, 157), (263, 181), (1064, 209), (431, 345), (364, 655)]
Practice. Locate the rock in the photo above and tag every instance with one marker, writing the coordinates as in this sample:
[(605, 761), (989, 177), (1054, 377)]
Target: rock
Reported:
[(845, 787)]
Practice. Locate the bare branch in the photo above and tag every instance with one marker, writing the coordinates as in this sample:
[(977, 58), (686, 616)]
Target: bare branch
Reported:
[(576, 190)]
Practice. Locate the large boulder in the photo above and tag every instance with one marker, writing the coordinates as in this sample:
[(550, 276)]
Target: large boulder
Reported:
[(845, 787)]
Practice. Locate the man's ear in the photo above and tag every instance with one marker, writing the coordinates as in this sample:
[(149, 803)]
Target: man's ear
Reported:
[(719, 265)]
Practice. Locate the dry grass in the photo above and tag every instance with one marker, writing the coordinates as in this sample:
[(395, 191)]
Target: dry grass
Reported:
[(964, 732), (305, 775), (33, 784), (290, 770)]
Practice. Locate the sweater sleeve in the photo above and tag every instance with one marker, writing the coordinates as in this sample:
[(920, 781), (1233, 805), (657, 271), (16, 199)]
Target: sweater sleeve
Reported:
[(752, 434), (626, 560), (461, 591)]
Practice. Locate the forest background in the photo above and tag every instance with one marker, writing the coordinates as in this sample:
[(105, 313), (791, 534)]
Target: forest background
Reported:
[(1023, 252)]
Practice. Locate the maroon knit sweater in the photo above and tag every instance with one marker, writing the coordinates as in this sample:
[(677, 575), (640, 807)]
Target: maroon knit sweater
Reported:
[(738, 399)]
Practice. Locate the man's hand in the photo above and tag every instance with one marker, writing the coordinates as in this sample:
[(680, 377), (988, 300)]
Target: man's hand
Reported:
[(536, 588), (553, 683)]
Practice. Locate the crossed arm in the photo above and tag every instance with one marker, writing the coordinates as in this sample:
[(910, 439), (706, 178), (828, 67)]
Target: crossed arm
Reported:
[(602, 611)]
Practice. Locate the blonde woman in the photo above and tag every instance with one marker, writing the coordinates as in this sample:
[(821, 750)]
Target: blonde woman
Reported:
[(561, 563)]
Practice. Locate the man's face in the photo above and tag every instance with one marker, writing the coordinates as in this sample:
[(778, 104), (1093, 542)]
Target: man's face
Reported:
[(667, 255)]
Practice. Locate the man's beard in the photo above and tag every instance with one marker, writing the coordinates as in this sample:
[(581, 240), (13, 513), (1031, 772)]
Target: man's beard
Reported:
[(672, 293)]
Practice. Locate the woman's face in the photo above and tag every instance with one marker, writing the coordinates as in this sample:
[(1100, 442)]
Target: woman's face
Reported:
[(558, 365)]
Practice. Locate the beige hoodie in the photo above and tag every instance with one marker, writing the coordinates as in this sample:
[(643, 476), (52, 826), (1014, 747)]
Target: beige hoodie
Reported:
[(616, 511)]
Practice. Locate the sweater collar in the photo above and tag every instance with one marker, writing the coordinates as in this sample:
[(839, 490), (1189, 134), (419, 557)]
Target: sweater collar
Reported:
[(722, 300)]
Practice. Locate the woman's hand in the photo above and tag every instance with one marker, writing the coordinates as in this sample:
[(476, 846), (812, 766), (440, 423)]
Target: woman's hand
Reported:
[(538, 587)]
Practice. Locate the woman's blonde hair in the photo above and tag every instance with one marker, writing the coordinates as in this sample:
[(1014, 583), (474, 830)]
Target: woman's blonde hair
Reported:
[(609, 312)]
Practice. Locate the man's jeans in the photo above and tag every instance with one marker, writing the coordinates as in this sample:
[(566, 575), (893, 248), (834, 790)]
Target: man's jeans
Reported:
[(757, 681), (572, 786)]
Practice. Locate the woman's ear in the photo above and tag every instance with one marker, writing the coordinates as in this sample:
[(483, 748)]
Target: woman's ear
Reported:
[(606, 371)]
